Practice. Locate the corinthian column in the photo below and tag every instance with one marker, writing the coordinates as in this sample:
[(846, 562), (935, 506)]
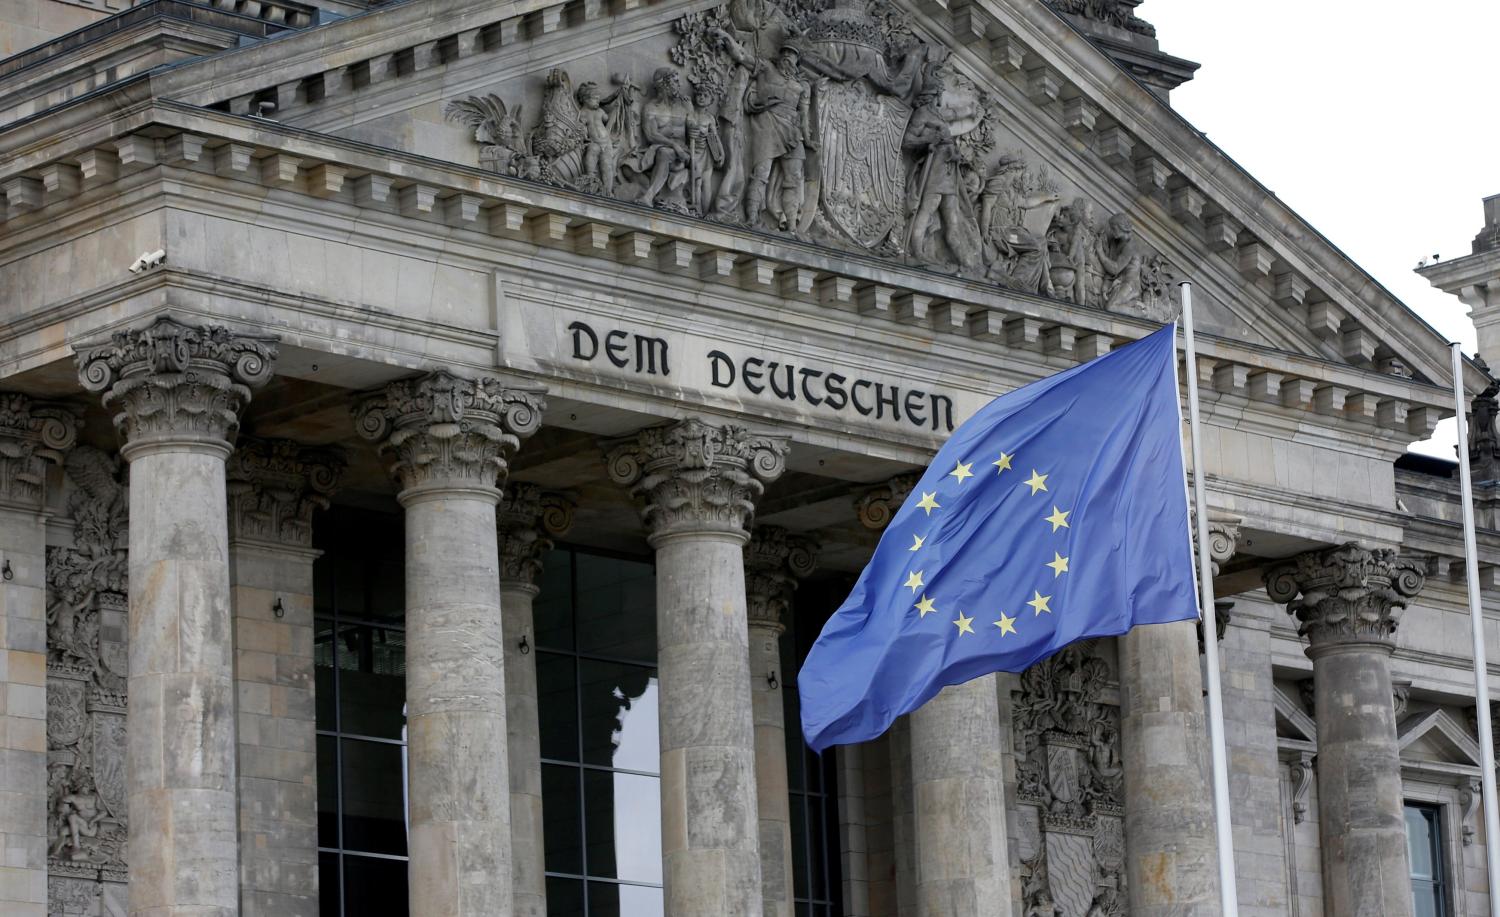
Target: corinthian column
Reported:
[(177, 391), (449, 441), (1347, 601), (526, 521), (274, 488), (33, 435), (697, 483), (774, 561)]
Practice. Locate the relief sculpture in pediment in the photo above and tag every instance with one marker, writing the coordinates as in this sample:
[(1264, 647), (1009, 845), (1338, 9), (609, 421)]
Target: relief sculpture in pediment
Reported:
[(833, 122)]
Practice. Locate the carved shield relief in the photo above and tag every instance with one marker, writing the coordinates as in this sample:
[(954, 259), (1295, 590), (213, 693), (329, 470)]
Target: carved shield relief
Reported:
[(863, 173)]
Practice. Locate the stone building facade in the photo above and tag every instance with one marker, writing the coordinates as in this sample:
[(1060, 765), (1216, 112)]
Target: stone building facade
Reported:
[(432, 432)]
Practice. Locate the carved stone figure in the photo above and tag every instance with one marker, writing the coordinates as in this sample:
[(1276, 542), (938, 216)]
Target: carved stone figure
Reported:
[(663, 157), (561, 129), (600, 150), (1118, 13), (936, 189), (78, 816), (705, 147), (780, 139), (497, 130), (1120, 259), (1016, 208), (1070, 251)]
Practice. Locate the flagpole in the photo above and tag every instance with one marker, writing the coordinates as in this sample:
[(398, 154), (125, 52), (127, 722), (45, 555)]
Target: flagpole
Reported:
[(1476, 621), (1228, 895)]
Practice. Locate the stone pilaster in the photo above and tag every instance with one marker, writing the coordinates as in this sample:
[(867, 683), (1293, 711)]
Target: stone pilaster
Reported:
[(274, 488), (449, 441), (774, 560), (527, 520), (1347, 601), (177, 391), (697, 483), (33, 435)]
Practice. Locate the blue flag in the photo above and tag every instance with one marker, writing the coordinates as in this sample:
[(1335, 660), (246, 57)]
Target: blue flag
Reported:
[(1056, 513)]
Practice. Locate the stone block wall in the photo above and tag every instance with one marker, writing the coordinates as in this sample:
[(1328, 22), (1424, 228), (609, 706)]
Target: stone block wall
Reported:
[(23, 714)]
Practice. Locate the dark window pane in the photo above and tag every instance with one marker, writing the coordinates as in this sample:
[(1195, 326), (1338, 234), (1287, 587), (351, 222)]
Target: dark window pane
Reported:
[(817, 849), (564, 898), (799, 846), (609, 900), (323, 650), (562, 821), (328, 884), (619, 715), (1419, 842), (616, 608), (350, 580), (387, 583), (372, 681), (623, 818), (552, 609), (557, 706), (374, 797), (328, 792), (374, 887)]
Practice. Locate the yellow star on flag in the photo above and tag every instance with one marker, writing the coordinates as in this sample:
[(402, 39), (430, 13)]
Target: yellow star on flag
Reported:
[(962, 471), (1036, 482), (914, 581), (1039, 603), (964, 624), (924, 606), (1059, 519), (928, 503), (1059, 565), (1007, 624), (1002, 464), (916, 542)]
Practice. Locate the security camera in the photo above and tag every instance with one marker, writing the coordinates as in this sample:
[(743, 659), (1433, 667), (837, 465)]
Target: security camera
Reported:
[(148, 260)]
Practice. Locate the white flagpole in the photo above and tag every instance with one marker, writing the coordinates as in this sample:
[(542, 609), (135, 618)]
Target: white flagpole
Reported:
[(1476, 620), (1228, 895)]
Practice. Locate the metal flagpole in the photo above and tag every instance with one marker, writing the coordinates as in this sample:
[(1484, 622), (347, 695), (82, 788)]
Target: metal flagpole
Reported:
[(1228, 895), (1476, 620)]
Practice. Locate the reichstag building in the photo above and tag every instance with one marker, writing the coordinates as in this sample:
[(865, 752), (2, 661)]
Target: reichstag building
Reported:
[(433, 432)]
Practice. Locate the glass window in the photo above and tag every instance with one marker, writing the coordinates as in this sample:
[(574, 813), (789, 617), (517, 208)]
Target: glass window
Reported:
[(1424, 841), (597, 703), (360, 663)]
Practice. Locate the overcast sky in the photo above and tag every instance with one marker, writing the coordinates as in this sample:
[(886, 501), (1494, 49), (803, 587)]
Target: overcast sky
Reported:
[(1376, 121)]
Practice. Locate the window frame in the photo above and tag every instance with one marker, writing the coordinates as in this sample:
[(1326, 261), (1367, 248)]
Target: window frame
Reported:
[(1443, 797)]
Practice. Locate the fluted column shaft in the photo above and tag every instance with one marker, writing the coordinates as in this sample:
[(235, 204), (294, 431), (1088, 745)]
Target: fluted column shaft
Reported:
[(1347, 602), (774, 559), (697, 483), (450, 439), (1170, 858), (177, 391), (526, 518), (962, 862)]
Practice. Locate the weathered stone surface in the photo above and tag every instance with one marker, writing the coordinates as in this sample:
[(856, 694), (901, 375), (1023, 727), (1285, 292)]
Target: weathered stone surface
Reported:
[(274, 488)]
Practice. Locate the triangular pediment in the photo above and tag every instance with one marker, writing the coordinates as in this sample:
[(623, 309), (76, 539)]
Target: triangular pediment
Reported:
[(988, 141), (1292, 722), (1436, 737)]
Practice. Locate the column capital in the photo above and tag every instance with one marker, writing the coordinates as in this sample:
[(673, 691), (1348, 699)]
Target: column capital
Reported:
[(1348, 594), (445, 432), (526, 520), (697, 477), (878, 505), (32, 433), (176, 383), (775, 560), (275, 485)]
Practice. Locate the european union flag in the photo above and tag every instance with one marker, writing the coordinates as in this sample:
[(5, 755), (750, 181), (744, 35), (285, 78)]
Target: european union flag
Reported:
[(1055, 514)]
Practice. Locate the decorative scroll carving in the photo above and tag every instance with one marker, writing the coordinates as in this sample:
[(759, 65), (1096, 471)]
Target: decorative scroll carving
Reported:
[(441, 428), (86, 680), (1468, 799), (1301, 773), (775, 560), (171, 379), (696, 476), (1069, 772), (835, 122), (275, 485), (32, 433), (1347, 593), (876, 506), (526, 520), (1400, 696)]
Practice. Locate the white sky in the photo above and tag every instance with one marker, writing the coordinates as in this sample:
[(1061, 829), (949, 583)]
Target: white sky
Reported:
[(1376, 121)]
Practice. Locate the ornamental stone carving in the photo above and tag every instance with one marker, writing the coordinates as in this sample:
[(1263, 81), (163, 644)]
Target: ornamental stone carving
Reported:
[(32, 433), (1346, 594), (1118, 13), (876, 506), (86, 679), (171, 380), (694, 476), (444, 430), (775, 560), (835, 123), (275, 485), (526, 520)]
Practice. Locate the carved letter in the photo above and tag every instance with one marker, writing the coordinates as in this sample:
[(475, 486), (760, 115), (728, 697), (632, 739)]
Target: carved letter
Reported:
[(716, 360), (854, 396), (838, 399), (882, 399), (580, 331), (789, 393), (942, 406), (752, 376), (647, 350), (807, 392), (614, 348), (914, 407)]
